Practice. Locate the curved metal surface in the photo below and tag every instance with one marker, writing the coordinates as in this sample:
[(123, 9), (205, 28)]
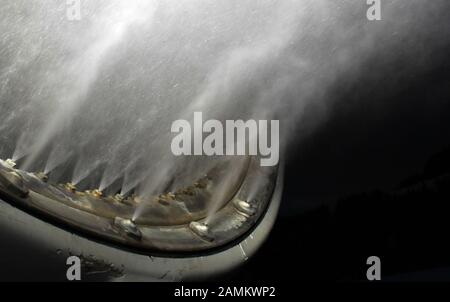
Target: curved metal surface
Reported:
[(33, 249), (110, 219)]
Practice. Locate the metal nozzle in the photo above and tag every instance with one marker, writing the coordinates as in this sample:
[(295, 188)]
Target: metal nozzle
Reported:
[(70, 187), (128, 227), (10, 163), (119, 198), (97, 193), (244, 207), (42, 176), (201, 230)]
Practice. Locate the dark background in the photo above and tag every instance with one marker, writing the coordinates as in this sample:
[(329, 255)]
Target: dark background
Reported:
[(373, 180)]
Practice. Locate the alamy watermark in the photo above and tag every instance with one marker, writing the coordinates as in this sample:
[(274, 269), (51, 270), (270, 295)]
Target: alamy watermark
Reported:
[(374, 270), (374, 11), (236, 137), (74, 270), (73, 10)]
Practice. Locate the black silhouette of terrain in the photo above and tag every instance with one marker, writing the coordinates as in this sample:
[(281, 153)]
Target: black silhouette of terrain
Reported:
[(408, 228)]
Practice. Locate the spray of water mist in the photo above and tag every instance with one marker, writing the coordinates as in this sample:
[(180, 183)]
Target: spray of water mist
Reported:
[(84, 68), (80, 173), (110, 86), (55, 160)]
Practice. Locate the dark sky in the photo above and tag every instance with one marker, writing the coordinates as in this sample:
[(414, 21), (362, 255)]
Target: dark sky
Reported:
[(383, 127)]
